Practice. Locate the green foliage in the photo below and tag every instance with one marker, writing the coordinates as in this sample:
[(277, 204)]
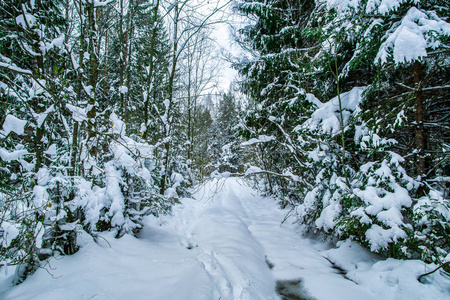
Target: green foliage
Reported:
[(398, 122), (432, 231), (63, 172), (225, 148)]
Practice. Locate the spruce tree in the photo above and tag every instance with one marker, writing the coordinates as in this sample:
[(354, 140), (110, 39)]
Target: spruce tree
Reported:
[(226, 144), (375, 129)]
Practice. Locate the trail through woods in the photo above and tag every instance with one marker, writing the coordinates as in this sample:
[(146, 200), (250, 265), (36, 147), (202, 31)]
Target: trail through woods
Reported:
[(227, 243)]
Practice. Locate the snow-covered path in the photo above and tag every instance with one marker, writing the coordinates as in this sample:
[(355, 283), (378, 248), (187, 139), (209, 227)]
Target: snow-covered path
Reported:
[(237, 235), (227, 243)]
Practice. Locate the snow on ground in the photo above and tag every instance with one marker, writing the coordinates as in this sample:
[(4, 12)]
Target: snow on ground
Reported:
[(227, 243)]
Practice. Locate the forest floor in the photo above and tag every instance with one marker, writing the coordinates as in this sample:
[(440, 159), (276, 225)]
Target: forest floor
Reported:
[(227, 242)]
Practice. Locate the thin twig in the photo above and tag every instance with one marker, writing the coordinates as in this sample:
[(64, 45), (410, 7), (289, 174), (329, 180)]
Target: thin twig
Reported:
[(447, 264)]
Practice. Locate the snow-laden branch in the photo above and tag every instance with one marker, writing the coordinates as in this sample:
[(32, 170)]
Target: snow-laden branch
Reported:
[(252, 171), (260, 139), (15, 69)]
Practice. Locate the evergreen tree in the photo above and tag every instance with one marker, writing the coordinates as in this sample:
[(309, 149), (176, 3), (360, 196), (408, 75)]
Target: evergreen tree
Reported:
[(348, 151), (277, 89), (32, 65), (149, 70), (203, 135), (226, 147)]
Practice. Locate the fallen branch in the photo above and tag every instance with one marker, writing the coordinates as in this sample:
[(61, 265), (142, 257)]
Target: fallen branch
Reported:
[(447, 264)]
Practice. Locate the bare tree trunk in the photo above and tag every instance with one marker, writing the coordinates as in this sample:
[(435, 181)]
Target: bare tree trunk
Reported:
[(127, 56), (39, 106), (105, 64), (151, 68), (189, 107), (121, 59), (420, 136), (78, 91), (170, 98), (93, 77)]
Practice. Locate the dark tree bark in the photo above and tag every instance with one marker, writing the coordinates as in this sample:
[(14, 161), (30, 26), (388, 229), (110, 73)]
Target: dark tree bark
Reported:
[(420, 135)]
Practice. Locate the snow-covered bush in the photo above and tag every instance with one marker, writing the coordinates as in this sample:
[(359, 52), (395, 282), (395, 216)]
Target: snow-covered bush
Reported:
[(363, 192), (378, 207), (52, 194), (42, 211), (125, 189), (431, 216), (20, 234), (375, 204)]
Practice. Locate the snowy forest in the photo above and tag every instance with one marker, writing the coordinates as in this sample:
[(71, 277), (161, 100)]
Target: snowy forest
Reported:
[(113, 118)]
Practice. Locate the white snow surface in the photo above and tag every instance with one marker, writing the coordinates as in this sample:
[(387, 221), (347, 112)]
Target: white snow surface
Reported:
[(78, 114), (118, 126), (13, 124), (5, 155), (123, 89), (260, 139), (10, 232), (102, 3), (413, 36), (218, 246), (327, 117)]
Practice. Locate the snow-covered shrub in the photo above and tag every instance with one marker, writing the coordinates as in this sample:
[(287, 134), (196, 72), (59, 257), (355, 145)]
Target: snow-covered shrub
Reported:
[(52, 194), (378, 207), (42, 221), (321, 205), (179, 179), (373, 203), (384, 215), (20, 233), (125, 191), (328, 197), (431, 215)]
